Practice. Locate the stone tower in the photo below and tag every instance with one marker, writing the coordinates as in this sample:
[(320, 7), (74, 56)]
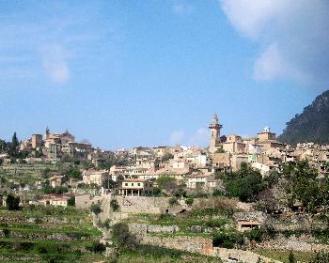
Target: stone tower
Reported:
[(214, 127), (47, 133)]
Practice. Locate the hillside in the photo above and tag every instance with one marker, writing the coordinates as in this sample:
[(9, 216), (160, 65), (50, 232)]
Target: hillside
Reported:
[(312, 125)]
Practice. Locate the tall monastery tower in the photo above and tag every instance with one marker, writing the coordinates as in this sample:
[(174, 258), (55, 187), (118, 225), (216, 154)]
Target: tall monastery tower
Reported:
[(214, 127)]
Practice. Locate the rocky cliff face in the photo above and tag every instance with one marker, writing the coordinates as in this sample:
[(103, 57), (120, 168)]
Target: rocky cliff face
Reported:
[(312, 125)]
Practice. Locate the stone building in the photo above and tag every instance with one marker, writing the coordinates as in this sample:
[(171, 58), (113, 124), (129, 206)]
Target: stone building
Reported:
[(36, 141), (136, 187), (249, 220), (94, 177), (56, 180), (214, 127), (234, 144)]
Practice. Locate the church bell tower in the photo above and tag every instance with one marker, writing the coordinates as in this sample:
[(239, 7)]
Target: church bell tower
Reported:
[(214, 127)]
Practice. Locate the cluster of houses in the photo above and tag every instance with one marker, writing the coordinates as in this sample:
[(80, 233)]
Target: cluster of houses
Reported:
[(193, 167), (54, 146), (196, 167)]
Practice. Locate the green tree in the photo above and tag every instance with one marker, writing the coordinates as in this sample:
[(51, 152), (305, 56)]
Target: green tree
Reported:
[(3, 146), (122, 237), (321, 257), (244, 184), (71, 201), (14, 146), (303, 185), (114, 205), (95, 208), (96, 247), (167, 183), (292, 258), (173, 201), (74, 173), (189, 201), (12, 202)]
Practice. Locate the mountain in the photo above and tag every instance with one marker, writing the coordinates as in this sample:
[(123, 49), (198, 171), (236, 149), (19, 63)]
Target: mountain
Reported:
[(312, 125)]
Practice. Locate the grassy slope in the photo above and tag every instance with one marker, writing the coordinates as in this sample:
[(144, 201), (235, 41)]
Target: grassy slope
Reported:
[(149, 254), (283, 255), (70, 222)]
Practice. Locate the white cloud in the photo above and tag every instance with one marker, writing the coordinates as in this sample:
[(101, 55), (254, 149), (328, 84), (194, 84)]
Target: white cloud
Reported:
[(299, 30), (177, 137), (269, 64), (251, 17), (200, 137), (55, 63), (45, 45)]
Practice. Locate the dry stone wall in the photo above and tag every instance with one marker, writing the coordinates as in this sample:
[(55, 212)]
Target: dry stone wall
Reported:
[(185, 243)]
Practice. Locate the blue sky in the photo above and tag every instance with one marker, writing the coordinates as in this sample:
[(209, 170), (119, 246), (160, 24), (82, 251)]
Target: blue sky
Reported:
[(124, 73)]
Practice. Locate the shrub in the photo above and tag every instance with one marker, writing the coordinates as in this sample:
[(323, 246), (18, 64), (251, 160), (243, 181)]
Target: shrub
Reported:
[(189, 201), (321, 257), (6, 232), (96, 247), (122, 237), (96, 209), (227, 240), (114, 205), (218, 193), (173, 201), (71, 201), (291, 257), (256, 234), (12, 202)]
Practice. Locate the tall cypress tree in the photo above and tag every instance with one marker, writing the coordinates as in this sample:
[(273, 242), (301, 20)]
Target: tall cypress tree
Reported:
[(14, 145)]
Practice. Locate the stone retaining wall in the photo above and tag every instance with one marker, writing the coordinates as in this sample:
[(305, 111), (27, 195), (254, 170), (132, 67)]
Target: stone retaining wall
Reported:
[(236, 255), (142, 229), (185, 243), (303, 243)]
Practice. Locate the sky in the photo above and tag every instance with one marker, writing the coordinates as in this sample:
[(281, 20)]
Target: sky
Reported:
[(124, 73)]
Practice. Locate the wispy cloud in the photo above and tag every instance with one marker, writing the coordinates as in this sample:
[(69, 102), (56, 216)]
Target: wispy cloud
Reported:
[(292, 36), (48, 40), (177, 137), (180, 7), (198, 138), (55, 63)]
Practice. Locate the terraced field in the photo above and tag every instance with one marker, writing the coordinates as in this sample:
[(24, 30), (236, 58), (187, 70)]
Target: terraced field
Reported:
[(48, 234)]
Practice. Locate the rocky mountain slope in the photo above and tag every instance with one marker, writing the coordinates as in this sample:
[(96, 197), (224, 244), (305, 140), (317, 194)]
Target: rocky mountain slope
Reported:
[(312, 125)]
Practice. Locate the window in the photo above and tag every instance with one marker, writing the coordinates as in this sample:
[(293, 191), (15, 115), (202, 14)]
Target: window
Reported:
[(139, 184), (126, 184)]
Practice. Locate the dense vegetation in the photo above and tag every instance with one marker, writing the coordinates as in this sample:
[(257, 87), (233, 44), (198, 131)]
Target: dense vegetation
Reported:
[(244, 184), (312, 125)]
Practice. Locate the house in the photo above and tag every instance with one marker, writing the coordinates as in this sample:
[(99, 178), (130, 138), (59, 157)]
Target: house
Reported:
[(246, 221), (221, 160), (55, 200), (136, 187), (56, 180), (237, 160), (94, 177), (197, 181), (201, 181)]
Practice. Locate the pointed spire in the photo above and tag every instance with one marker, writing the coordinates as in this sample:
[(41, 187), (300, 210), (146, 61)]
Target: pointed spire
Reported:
[(215, 119)]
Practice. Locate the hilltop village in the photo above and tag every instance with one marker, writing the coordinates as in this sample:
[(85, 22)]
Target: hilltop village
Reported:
[(238, 200)]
